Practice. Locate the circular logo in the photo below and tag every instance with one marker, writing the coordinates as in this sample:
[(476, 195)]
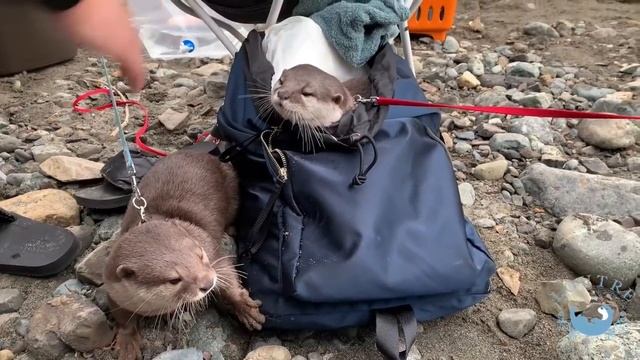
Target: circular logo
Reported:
[(187, 45)]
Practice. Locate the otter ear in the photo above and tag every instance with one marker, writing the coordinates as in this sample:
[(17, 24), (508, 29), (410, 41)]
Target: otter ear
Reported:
[(337, 99), (125, 272)]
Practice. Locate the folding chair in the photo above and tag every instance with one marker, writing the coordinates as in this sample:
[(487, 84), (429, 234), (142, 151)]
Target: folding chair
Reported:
[(255, 12)]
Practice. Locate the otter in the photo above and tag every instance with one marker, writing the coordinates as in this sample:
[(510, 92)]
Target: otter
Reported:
[(174, 259), (309, 96)]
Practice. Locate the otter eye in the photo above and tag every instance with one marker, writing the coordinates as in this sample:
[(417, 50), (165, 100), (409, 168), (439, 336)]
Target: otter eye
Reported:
[(175, 281), (307, 93)]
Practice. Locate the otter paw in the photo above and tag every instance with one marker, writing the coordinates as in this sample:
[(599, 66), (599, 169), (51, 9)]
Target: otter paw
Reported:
[(128, 347), (248, 310)]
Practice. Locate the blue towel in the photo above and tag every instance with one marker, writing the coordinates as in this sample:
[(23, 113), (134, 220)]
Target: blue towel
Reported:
[(356, 28)]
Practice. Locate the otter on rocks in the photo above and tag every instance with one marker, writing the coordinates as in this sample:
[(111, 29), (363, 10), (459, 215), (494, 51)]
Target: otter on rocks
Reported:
[(310, 97), (174, 260)]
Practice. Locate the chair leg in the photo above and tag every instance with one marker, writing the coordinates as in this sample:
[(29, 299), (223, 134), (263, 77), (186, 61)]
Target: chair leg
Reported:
[(204, 16), (274, 12), (406, 46)]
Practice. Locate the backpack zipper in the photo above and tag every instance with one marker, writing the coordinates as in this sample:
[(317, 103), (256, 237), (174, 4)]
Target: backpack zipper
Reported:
[(283, 174)]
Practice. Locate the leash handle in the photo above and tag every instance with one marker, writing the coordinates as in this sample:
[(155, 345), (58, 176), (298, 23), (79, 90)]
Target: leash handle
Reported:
[(504, 110)]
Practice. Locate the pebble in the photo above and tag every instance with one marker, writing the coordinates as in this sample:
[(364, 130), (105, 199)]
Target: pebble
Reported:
[(608, 134), (555, 296), (77, 323), (50, 206), (215, 85), (485, 223), (210, 69), (564, 192), (494, 170), (620, 342), (537, 100), (172, 119), (534, 126), (22, 327), (22, 156), (467, 194), (564, 28), (71, 169), (596, 166), (185, 82), (571, 164), (540, 29), (68, 287), (591, 245), (10, 300), (476, 66), (44, 152), (108, 228), (591, 93), (603, 33), (517, 322), (9, 143), (523, 69), (450, 45), (6, 355), (414, 353), (270, 352), (468, 80), (544, 238), (633, 164), (90, 269), (509, 143), (463, 147), (182, 354)]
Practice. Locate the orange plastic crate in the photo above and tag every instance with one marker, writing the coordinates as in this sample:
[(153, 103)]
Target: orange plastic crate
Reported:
[(434, 18)]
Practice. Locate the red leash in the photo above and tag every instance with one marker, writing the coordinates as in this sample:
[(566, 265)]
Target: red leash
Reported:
[(504, 110), (139, 133)]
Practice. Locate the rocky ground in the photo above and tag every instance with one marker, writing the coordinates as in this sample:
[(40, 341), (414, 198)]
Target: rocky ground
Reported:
[(555, 200)]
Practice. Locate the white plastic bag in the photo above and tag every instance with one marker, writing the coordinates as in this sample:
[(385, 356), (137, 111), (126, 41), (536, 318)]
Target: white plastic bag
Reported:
[(169, 33)]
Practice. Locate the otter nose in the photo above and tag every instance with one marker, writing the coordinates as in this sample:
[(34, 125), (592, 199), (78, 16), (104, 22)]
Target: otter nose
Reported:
[(207, 283), (283, 94)]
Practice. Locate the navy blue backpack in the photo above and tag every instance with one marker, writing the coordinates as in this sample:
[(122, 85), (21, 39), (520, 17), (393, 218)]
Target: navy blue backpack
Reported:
[(367, 228)]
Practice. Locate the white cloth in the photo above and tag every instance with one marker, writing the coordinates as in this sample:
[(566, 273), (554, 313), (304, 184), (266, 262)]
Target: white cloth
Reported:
[(299, 40)]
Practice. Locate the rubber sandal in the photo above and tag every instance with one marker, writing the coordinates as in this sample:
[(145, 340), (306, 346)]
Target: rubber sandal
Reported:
[(31, 248), (115, 170), (103, 197)]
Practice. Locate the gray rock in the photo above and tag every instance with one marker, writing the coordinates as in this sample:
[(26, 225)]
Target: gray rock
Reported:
[(22, 156), (544, 238), (467, 194), (613, 104), (69, 320), (86, 151), (616, 161), (450, 45), (491, 98), (185, 82), (492, 80), (22, 327), (463, 147), (68, 287), (488, 130), (212, 332), (534, 126), (608, 134), (269, 352), (571, 164), (633, 307), (299, 357), (91, 268), (9, 143), (494, 170), (540, 29), (591, 93), (414, 353), (485, 223), (314, 356), (603, 33), (10, 300), (505, 143), (517, 322), (172, 119), (108, 228), (179, 92), (620, 342), (564, 28), (537, 100), (182, 354), (43, 152), (523, 69), (596, 166), (590, 245), (214, 86), (476, 66), (564, 192), (630, 69), (554, 297), (633, 164)]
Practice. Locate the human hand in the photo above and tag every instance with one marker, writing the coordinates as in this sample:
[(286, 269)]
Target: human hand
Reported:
[(104, 26)]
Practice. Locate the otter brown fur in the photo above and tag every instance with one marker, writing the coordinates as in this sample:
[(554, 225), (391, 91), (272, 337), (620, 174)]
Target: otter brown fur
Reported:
[(309, 96), (175, 259)]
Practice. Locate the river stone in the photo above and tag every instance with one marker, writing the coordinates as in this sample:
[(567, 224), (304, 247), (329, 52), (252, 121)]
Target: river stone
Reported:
[(591, 93), (9, 143), (537, 100), (210, 69), (51, 206), (620, 342), (590, 245), (69, 320), (565, 192), (181, 354), (91, 268), (43, 152), (467, 194), (538, 127), (68, 287), (523, 69), (509, 142), (494, 170), (10, 300), (468, 80), (450, 45), (596, 166), (540, 29), (554, 297), (517, 322), (172, 119), (70, 169), (269, 352), (608, 134), (217, 335)]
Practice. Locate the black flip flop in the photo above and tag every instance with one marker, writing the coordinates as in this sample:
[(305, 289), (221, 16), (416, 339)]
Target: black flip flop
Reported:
[(31, 248), (102, 197)]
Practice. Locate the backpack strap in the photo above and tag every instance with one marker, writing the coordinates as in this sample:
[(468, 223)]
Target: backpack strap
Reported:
[(388, 334)]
